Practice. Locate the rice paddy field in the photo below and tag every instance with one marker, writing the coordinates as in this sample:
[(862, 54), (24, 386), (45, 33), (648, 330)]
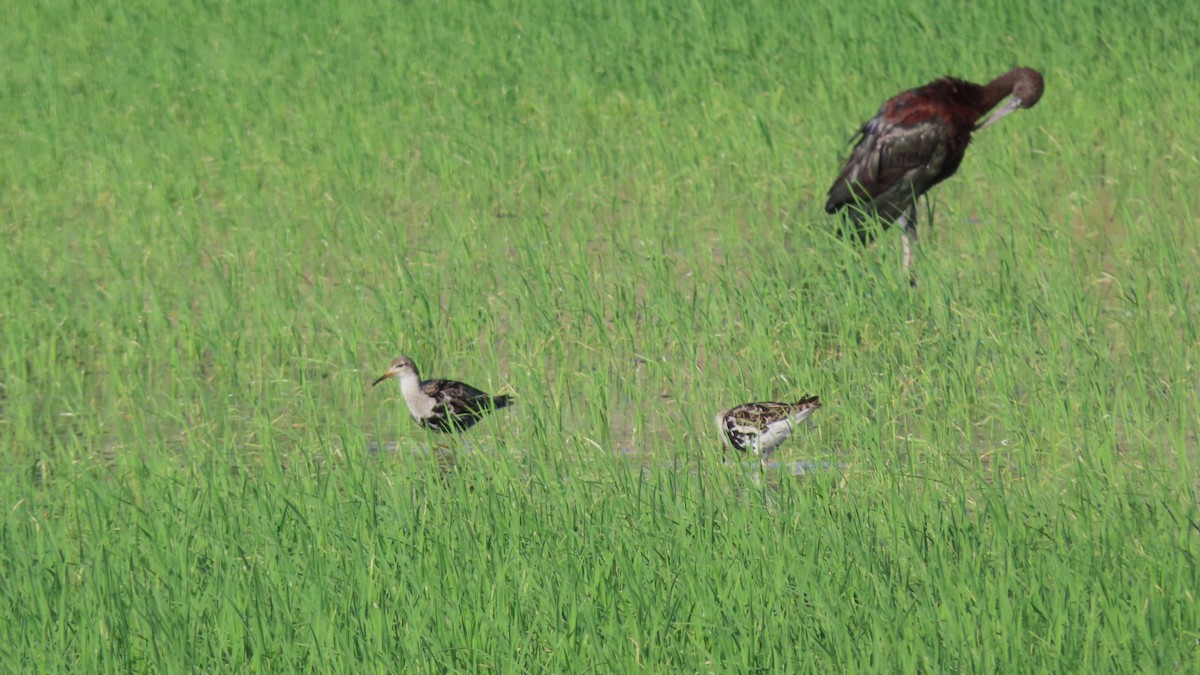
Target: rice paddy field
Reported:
[(221, 221)]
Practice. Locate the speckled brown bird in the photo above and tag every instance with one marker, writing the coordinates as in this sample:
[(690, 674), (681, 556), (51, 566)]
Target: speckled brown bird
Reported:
[(760, 427)]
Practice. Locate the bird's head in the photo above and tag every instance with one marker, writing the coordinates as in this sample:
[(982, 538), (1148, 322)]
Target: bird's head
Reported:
[(402, 368), (1025, 86), (1028, 87)]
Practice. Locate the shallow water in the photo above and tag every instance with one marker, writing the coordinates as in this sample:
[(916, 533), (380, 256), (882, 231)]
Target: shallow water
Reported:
[(446, 454)]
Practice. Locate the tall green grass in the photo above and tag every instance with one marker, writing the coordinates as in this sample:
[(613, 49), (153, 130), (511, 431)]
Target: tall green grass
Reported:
[(223, 220)]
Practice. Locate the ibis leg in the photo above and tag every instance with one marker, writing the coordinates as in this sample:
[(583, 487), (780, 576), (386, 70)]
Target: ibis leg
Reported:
[(908, 237)]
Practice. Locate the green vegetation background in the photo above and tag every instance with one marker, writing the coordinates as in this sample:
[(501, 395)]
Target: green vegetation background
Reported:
[(222, 220)]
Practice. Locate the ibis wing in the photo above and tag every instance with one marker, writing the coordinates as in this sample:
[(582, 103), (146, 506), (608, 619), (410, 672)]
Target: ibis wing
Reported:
[(892, 163)]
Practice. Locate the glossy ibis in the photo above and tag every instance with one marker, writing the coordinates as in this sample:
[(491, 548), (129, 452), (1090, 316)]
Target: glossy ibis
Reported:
[(441, 405), (917, 140)]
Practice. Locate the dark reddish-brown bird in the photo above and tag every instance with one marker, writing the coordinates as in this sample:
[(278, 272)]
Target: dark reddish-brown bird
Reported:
[(917, 140)]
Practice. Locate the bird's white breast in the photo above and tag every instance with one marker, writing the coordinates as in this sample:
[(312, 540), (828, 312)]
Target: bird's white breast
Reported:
[(420, 405), (774, 434)]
